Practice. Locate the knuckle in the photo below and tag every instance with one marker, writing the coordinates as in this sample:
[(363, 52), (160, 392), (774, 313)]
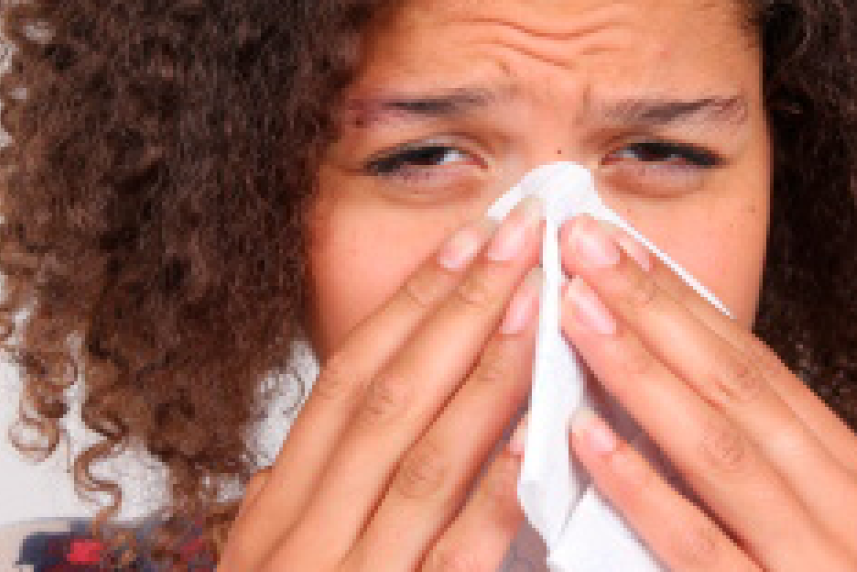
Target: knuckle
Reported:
[(447, 559), (338, 380), (387, 398), (422, 290), (697, 547), (724, 448), (766, 362), (737, 380), (634, 477), (423, 473), (475, 293), (494, 366), (635, 362), (642, 292), (498, 492)]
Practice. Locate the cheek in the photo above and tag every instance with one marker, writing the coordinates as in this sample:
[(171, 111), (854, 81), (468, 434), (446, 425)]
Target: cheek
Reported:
[(358, 258), (741, 258), (727, 255), (739, 223), (721, 242)]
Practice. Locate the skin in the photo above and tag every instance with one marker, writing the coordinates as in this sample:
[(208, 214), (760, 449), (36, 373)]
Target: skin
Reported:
[(574, 56), (426, 337)]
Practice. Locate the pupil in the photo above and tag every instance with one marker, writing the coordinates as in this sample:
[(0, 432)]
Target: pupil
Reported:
[(427, 156), (651, 152)]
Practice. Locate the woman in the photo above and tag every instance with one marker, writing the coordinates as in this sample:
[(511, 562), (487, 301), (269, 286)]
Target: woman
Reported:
[(193, 185)]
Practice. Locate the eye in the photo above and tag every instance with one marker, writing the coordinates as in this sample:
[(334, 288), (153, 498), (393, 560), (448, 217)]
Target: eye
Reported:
[(665, 154), (659, 168), (413, 161)]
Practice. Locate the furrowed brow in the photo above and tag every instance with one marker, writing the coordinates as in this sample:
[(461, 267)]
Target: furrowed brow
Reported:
[(659, 112), (457, 102), (421, 107)]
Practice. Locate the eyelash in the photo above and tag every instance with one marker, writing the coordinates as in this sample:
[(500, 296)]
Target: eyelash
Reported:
[(402, 161), (669, 153), (410, 162)]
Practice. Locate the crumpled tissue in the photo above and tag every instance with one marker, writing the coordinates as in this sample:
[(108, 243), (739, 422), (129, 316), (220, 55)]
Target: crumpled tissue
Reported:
[(580, 530)]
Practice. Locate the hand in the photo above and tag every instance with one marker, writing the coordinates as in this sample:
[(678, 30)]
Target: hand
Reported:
[(775, 472), (376, 471)]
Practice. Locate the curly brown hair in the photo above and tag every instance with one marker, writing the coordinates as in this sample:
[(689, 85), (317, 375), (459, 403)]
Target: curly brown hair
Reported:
[(160, 161)]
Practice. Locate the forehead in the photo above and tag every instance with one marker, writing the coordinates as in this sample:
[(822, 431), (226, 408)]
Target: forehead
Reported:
[(569, 18), (654, 44)]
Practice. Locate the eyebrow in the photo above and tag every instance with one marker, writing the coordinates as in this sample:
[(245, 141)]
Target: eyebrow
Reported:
[(639, 112), (440, 105), (655, 112)]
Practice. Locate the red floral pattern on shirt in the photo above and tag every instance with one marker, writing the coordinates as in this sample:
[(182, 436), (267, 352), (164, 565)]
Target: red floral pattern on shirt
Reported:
[(73, 552)]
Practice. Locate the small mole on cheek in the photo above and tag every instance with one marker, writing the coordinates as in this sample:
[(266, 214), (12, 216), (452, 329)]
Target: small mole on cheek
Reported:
[(559, 151)]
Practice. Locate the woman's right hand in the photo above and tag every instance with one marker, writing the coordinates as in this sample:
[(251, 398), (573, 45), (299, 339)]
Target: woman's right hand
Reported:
[(376, 472)]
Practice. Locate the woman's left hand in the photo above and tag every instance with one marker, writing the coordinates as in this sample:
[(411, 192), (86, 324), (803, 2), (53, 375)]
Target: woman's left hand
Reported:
[(774, 470)]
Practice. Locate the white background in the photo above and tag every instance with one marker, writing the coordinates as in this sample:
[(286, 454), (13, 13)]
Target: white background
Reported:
[(29, 491)]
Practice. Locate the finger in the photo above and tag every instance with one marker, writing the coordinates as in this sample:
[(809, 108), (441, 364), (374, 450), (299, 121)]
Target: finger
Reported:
[(407, 394), (832, 432), (431, 482), (718, 461), (688, 540), (340, 388), (252, 490), (481, 535), (717, 372)]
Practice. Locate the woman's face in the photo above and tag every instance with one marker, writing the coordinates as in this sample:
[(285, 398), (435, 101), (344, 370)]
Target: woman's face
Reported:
[(456, 100)]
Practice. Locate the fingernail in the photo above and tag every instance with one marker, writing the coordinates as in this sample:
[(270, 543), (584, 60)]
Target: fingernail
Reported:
[(592, 245), (463, 246), (639, 253), (518, 441), (588, 310), (524, 305), (512, 236), (593, 432)]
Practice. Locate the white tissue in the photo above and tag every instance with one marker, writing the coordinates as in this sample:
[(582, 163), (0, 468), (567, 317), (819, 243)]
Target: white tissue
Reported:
[(579, 528)]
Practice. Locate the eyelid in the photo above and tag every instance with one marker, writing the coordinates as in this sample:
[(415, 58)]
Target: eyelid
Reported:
[(660, 178), (617, 165), (452, 140), (459, 144), (696, 154)]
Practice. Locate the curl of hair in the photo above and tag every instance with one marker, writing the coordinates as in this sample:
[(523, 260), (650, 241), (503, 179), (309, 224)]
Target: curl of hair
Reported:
[(154, 186), (160, 161), (808, 310)]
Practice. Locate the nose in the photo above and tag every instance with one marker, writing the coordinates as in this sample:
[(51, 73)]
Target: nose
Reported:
[(551, 141)]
